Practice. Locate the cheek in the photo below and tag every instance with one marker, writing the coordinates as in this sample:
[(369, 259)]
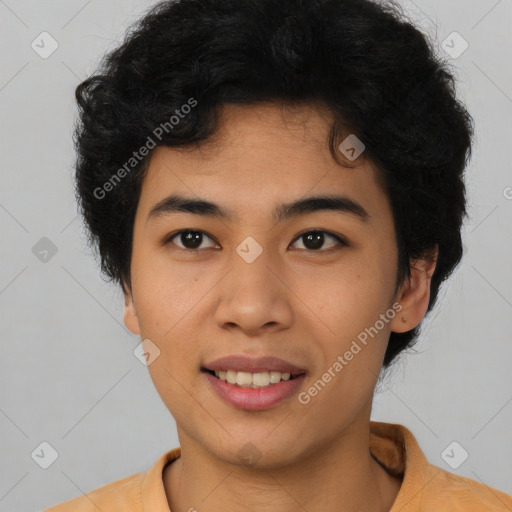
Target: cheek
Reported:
[(165, 294), (351, 306), (352, 309), (354, 298)]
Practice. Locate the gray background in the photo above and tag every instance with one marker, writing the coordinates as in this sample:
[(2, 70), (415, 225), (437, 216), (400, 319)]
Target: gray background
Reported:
[(68, 373)]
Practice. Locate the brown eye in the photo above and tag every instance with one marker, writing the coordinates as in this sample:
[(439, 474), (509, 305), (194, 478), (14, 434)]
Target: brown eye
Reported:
[(315, 240), (189, 239)]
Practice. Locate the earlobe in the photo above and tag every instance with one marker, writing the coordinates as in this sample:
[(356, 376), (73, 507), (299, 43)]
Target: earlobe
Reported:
[(130, 317), (414, 294)]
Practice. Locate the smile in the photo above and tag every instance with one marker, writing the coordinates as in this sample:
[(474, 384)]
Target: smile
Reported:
[(253, 380)]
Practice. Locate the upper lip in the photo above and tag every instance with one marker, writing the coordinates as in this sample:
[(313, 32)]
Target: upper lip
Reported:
[(253, 365)]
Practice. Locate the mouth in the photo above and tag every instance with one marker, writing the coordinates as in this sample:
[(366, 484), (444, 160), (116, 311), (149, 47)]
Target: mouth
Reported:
[(253, 380), (247, 372), (253, 384), (254, 391)]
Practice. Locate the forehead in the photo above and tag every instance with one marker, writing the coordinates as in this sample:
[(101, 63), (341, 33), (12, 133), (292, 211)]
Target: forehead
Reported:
[(260, 155)]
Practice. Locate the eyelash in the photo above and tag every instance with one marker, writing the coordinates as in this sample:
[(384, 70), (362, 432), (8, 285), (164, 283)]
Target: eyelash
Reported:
[(341, 240)]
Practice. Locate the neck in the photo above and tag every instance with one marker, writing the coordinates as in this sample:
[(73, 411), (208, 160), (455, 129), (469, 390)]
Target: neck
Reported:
[(341, 475)]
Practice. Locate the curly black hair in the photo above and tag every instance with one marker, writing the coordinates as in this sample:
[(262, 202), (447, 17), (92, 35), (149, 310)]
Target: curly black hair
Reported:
[(378, 75)]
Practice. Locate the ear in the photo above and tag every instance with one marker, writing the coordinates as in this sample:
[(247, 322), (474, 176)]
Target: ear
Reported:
[(130, 317), (414, 294)]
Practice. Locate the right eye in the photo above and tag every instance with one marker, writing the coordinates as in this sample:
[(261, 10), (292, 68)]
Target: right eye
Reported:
[(190, 239)]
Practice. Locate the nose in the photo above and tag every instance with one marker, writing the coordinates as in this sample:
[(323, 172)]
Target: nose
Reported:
[(254, 297)]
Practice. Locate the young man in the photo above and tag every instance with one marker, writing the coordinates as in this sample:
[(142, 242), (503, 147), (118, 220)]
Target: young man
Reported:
[(277, 186)]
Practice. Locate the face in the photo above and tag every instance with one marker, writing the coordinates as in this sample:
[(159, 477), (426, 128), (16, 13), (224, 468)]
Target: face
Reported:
[(302, 288)]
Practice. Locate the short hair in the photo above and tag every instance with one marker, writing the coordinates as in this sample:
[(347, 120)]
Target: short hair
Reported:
[(376, 73)]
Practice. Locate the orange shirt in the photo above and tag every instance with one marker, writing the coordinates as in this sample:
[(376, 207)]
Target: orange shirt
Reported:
[(425, 487)]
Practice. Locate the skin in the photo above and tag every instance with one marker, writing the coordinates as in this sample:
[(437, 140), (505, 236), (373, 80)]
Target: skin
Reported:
[(302, 304)]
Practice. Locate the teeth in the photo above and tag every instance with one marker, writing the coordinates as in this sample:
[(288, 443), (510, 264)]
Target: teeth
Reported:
[(252, 380)]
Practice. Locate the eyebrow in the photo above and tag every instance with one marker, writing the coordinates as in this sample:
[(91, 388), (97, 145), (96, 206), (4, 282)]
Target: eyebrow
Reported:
[(282, 212)]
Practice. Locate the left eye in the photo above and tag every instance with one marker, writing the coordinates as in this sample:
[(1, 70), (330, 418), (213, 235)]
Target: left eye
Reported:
[(314, 240)]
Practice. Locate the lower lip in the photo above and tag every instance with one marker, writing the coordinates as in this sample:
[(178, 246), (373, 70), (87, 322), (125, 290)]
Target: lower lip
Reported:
[(255, 399)]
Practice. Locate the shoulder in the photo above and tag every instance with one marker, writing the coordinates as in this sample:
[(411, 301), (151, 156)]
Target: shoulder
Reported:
[(135, 493), (445, 491), (120, 496), (426, 487)]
